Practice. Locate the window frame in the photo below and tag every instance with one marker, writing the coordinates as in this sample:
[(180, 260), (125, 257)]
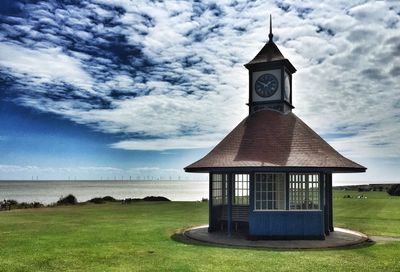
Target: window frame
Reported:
[(283, 174), (217, 189), (242, 190), (315, 191)]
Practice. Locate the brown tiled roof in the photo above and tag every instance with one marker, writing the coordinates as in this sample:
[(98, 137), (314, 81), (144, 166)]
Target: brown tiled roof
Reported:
[(273, 139)]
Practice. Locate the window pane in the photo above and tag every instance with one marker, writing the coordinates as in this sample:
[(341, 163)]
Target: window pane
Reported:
[(304, 191), (216, 189), (241, 192), (270, 191)]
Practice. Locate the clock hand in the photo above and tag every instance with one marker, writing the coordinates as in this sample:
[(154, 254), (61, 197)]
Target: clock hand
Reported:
[(265, 84)]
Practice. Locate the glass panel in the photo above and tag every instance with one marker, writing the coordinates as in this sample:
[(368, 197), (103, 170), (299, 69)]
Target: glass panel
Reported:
[(216, 189), (270, 191), (241, 189), (304, 191), (264, 205)]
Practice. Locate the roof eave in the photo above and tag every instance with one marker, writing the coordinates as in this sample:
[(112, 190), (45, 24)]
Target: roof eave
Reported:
[(253, 64), (276, 168)]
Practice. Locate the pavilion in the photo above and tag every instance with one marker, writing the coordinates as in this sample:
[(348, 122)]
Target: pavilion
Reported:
[(271, 176)]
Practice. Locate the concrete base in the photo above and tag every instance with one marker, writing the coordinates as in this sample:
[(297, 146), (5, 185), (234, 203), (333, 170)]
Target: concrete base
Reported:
[(339, 238)]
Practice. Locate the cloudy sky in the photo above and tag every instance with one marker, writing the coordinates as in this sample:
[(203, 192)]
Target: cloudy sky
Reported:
[(104, 89)]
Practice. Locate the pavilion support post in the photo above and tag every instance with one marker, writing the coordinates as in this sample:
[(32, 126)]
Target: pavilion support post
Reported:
[(229, 183), (287, 191), (330, 202), (210, 205), (322, 200), (251, 196), (326, 203)]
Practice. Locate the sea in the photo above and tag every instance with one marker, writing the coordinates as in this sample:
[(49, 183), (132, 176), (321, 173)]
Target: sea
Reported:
[(49, 191)]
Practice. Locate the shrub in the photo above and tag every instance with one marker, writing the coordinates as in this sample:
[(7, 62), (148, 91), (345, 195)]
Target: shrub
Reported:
[(97, 200), (394, 190), (11, 202), (68, 200), (37, 205), (130, 200), (109, 199), (23, 205), (147, 198), (155, 198)]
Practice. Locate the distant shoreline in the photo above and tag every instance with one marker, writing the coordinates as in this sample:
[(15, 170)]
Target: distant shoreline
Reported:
[(97, 180), (356, 183), (49, 191), (11, 204)]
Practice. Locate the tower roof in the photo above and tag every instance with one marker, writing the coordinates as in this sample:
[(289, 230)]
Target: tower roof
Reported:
[(270, 52), (269, 139)]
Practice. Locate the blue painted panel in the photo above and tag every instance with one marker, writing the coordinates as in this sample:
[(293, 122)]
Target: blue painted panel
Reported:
[(215, 214), (286, 223)]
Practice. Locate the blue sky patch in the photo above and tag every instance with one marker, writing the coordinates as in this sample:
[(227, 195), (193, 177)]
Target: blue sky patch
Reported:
[(124, 86)]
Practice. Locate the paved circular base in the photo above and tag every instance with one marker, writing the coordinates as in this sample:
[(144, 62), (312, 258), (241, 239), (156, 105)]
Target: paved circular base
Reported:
[(339, 238)]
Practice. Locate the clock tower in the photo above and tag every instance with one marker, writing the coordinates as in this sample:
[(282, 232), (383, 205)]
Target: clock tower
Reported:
[(270, 79), (271, 176)]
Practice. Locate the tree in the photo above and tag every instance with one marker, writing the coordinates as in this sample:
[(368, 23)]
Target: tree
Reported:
[(394, 190), (69, 199)]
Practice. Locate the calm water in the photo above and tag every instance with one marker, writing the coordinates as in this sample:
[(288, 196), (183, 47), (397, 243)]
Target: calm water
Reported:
[(50, 191)]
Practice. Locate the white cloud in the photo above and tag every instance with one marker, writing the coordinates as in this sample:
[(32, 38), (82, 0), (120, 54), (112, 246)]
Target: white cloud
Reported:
[(162, 115), (195, 89), (27, 172), (44, 65), (8, 168), (181, 142), (16, 168)]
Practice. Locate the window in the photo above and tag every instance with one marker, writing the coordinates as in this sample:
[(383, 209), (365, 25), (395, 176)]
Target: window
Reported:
[(270, 191), (218, 189), (241, 189), (304, 191)]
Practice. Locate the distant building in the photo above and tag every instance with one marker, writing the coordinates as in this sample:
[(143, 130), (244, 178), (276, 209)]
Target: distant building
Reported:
[(271, 176)]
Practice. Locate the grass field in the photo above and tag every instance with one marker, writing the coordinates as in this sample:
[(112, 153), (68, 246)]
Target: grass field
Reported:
[(377, 214), (137, 237)]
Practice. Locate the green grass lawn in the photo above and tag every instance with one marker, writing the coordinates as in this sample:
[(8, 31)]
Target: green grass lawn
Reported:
[(377, 214), (137, 237)]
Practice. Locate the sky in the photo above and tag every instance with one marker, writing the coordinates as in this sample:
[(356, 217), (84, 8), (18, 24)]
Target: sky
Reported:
[(139, 89)]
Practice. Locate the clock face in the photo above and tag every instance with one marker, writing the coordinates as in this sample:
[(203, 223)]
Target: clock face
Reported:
[(287, 87), (266, 85)]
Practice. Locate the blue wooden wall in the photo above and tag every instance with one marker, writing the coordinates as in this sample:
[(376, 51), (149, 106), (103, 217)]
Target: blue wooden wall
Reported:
[(287, 224)]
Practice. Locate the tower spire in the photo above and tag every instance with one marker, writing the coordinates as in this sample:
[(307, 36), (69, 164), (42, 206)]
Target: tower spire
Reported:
[(270, 36)]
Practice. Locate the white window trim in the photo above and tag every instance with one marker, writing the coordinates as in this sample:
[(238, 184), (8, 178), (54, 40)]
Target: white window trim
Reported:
[(254, 196), (221, 199), (234, 189), (319, 192)]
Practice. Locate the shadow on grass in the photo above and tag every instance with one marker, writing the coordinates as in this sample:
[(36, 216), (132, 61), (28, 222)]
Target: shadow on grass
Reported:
[(180, 237)]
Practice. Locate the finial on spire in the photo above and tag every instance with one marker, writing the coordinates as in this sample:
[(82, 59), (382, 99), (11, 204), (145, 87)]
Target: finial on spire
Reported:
[(270, 36)]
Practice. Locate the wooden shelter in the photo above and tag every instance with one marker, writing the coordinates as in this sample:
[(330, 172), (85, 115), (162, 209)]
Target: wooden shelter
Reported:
[(271, 176)]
